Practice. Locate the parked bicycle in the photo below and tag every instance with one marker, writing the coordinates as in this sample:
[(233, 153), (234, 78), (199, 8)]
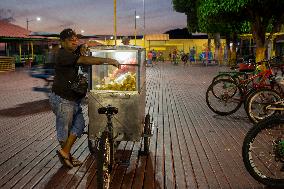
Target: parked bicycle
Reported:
[(107, 143), (263, 146), (105, 149), (240, 71), (263, 103), (263, 151), (225, 96)]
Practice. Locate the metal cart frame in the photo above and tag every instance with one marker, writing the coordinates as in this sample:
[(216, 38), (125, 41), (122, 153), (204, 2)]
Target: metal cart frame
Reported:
[(115, 115)]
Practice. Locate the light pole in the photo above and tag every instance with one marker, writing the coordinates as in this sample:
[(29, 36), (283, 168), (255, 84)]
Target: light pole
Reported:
[(135, 25), (144, 22), (37, 19), (114, 17), (32, 56)]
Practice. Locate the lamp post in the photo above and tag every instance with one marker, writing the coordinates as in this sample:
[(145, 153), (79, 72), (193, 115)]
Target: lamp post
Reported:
[(144, 22), (29, 61), (135, 30), (37, 19), (114, 17)]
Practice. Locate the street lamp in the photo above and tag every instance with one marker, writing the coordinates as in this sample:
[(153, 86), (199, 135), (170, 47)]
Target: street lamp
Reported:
[(144, 22), (37, 19), (114, 18), (135, 31)]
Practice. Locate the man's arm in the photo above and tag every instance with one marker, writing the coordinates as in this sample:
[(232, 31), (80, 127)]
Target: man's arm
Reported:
[(91, 60)]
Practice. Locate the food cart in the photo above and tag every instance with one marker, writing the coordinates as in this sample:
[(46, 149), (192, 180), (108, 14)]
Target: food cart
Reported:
[(123, 89)]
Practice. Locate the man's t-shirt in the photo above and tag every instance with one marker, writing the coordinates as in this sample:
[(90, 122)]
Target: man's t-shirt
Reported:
[(65, 72)]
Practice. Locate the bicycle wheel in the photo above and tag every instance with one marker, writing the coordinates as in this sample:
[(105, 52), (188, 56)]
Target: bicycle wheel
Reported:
[(263, 151), (224, 97), (104, 161), (258, 102)]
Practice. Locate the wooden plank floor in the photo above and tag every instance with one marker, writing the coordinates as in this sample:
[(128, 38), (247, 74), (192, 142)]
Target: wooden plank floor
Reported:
[(191, 147)]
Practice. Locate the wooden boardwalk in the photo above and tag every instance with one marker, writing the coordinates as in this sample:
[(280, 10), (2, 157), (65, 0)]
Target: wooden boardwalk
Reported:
[(191, 147)]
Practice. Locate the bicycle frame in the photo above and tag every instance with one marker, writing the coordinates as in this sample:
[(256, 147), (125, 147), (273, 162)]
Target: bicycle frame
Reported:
[(277, 106), (109, 126)]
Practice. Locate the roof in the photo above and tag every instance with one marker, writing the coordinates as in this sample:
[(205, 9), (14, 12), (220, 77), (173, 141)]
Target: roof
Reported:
[(11, 30)]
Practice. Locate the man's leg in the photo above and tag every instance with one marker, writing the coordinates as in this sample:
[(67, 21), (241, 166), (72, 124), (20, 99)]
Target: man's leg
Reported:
[(68, 145), (63, 109), (76, 130)]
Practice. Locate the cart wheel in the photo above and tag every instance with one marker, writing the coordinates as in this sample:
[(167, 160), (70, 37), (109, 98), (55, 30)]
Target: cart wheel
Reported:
[(147, 133), (104, 161)]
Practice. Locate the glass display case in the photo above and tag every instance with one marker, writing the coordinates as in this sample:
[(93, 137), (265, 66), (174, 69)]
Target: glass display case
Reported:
[(108, 77), (123, 88)]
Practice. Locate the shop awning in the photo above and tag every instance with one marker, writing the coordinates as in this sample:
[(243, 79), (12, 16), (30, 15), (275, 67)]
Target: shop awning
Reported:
[(157, 37)]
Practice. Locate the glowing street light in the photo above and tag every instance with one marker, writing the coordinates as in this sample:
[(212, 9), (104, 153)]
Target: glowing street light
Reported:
[(37, 19)]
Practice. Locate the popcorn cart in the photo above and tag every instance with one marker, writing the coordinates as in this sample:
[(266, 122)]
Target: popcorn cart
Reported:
[(116, 105)]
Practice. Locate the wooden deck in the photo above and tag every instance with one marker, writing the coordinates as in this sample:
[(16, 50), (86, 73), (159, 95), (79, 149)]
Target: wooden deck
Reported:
[(191, 147)]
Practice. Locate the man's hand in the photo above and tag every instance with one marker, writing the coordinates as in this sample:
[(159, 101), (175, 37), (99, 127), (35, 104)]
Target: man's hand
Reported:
[(84, 49), (114, 63)]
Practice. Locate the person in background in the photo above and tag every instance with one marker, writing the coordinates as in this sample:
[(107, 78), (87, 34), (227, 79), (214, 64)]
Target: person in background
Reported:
[(125, 40), (184, 58), (65, 102), (149, 58), (192, 55), (161, 56), (154, 57), (174, 57)]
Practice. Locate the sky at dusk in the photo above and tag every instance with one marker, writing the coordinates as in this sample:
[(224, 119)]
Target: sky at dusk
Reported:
[(95, 16)]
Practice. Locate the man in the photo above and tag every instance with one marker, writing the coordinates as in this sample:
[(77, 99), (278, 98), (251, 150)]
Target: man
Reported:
[(149, 58), (184, 58), (192, 55), (66, 103), (125, 40), (154, 56)]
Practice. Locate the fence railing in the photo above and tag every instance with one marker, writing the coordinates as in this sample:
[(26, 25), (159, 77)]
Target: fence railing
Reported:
[(7, 63)]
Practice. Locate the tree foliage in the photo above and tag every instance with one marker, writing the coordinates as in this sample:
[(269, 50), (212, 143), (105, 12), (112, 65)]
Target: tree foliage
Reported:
[(260, 16), (263, 15), (189, 7)]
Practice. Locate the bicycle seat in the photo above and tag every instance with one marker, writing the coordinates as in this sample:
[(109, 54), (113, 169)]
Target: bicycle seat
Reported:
[(108, 110)]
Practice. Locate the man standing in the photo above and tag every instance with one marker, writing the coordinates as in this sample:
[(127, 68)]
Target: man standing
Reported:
[(65, 102), (192, 55)]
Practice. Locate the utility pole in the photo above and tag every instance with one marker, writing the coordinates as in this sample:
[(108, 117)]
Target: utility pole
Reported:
[(144, 23), (114, 7)]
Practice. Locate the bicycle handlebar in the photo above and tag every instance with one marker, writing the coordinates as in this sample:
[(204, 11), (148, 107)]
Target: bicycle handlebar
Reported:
[(108, 110)]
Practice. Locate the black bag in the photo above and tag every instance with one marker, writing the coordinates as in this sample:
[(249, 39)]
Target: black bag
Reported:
[(80, 85)]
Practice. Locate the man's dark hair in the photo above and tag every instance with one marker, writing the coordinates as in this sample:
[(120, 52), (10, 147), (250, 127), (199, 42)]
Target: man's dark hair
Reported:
[(67, 33)]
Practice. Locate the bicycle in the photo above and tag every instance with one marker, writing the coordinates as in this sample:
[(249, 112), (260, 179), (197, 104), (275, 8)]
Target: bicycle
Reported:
[(263, 151), (105, 146), (105, 149), (263, 103), (246, 68), (230, 93)]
